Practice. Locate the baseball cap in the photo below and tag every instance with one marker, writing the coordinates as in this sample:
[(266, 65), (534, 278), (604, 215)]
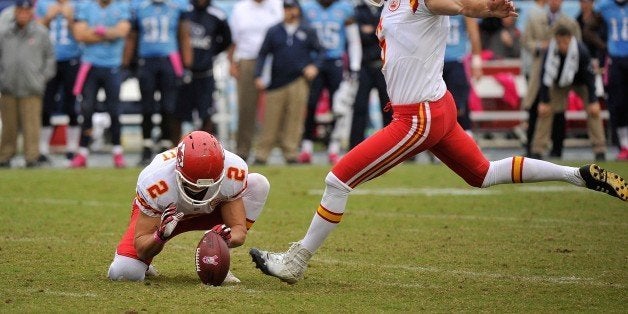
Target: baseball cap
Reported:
[(26, 4), (290, 3)]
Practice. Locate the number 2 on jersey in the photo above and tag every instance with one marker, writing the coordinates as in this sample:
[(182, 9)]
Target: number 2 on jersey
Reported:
[(157, 189), (236, 174)]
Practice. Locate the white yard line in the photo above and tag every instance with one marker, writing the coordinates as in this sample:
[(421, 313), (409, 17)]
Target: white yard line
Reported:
[(559, 280), (529, 221)]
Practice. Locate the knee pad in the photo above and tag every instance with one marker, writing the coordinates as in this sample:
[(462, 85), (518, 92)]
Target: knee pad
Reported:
[(258, 186), (254, 197), (126, 268)]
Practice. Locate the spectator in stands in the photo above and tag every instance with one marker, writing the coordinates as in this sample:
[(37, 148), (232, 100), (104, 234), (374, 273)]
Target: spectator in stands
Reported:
[(463, 38), (338, 33), (210, 36), (506, 42), (58, 17), (297, 54), (539, 29), (101, 26), (567, 66), (615, 13), (27, 61), (371, 76), (250, 19), (161, 34)]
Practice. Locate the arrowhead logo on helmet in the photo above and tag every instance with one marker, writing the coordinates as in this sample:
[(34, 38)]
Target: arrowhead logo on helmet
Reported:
[(199, 168)]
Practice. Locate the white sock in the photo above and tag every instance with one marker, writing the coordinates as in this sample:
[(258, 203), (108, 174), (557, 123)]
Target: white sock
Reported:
[(73, 136), (334, 147), (117, 149), (622, 134), (44, 140), (328, 214), (528, 170), (307, 146)]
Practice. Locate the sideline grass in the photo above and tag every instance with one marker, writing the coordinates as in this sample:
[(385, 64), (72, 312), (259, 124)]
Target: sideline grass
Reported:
[(425, 242)]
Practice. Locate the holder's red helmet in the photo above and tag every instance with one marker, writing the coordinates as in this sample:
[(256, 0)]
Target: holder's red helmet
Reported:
[(200, 166)]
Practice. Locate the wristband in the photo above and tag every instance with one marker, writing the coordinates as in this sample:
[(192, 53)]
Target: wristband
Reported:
[(476, 61), (100, 31), (157, 238)]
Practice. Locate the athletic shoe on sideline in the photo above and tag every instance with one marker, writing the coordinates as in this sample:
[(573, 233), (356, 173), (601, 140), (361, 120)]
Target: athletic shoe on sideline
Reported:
[(333, 158), (623, 155), (79, 161), (118, 161), (305, 158)]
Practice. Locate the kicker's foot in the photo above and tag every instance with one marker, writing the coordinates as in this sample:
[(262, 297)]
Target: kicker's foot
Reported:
[(289, 266), (598, 179)]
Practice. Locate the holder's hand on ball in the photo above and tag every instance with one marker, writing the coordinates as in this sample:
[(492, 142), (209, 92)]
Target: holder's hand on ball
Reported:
[(223, 231)]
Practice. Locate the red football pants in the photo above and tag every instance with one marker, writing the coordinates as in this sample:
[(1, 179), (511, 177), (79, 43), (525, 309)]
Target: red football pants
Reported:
[(126, 245), (415, 128)]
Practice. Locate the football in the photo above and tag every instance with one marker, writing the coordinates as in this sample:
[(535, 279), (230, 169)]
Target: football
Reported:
[(212, 259)]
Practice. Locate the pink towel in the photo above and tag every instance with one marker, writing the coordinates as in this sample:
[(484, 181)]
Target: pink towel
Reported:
[(475, 103), (177, 64), (574, 102), (507, 81), (80, 78)]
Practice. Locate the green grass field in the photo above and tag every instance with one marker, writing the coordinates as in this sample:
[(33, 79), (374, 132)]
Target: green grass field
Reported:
[(417, 239)]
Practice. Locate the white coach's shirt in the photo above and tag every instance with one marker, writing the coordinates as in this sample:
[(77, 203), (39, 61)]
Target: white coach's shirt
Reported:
[(157, 185), (413, 49)]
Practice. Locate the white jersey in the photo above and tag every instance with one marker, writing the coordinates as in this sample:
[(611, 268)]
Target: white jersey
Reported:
[(157, 185), (413, 44)]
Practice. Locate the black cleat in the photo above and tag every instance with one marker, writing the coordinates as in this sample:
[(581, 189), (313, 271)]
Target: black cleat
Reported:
[(598, 179)]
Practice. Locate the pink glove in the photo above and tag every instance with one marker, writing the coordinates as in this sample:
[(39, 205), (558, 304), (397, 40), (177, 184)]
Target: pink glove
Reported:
[(223, 231), (100, 30)]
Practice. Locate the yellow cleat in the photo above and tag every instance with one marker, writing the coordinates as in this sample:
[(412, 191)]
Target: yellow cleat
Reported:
[(598, 179)]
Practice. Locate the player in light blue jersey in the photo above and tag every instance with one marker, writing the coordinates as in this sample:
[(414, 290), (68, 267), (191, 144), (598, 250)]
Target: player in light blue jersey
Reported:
[(58, 17), (463, 38), (615, 13), (161, 34), (101, 26), (337, 32)]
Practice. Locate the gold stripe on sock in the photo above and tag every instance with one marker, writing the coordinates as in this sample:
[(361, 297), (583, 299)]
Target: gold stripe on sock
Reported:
[(517, 169), (328, 215)]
